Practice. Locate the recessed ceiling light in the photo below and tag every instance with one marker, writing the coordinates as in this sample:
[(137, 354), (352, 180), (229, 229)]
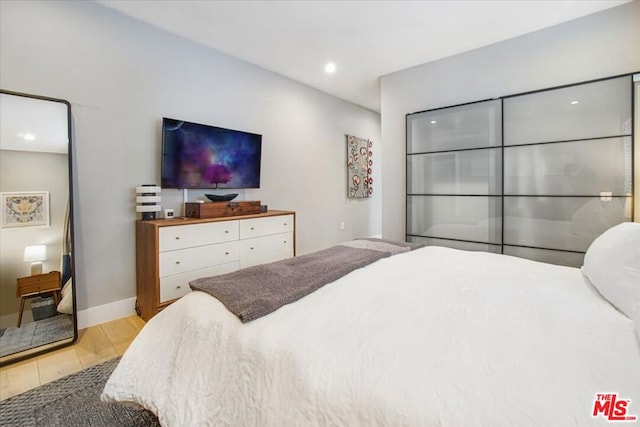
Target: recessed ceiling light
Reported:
[(575, 102), (433, 122), (27, 136), (330, 68)]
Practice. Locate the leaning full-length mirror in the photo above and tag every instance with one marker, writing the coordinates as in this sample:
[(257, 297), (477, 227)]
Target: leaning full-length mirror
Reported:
[(37, 303)]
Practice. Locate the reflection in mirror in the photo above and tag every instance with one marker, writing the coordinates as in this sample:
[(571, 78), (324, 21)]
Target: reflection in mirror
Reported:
[(37, 308)]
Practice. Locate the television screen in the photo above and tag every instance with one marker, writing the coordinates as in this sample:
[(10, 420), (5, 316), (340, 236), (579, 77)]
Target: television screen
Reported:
[(201, 156)]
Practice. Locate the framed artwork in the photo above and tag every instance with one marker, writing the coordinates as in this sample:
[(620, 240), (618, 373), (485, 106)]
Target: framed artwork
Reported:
[(359, 167), (25, 209)]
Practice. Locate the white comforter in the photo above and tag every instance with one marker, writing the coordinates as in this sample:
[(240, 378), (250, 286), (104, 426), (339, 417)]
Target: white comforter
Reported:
[(433, 337)]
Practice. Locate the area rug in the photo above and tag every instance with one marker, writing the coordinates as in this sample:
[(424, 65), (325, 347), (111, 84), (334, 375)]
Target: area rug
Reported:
[(73, 401), (35, 334)]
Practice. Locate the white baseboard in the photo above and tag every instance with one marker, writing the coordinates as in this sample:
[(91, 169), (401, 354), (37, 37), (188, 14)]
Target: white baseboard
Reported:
[(107, 312), (377, 236)]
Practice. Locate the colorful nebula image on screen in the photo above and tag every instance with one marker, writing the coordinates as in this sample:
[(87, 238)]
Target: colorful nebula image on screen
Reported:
[(202, 156)]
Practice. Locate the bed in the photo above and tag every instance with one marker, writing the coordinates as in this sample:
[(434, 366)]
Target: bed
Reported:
[(431, 337)]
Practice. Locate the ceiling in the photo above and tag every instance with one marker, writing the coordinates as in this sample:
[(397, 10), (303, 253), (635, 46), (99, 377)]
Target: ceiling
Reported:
[(29, 124), (365, 39)]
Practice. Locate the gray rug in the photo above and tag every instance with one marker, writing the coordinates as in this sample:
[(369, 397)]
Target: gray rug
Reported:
[(73, 401), (35, 334)]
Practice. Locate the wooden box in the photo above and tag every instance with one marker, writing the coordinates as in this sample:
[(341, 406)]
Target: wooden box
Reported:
[(221, 209)]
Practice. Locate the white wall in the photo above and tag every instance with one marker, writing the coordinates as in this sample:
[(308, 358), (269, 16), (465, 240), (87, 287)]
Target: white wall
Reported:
[(599, 45), (122, 76)]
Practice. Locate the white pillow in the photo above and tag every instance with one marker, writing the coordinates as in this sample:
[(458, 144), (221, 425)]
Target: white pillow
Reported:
[(612, 264), (66, 303)]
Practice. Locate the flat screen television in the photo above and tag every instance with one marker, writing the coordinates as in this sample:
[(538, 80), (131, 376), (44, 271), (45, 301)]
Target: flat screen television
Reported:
[(202, 156)]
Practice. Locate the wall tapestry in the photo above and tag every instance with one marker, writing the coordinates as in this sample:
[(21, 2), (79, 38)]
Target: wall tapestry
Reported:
[(25, 209), (359, 167)]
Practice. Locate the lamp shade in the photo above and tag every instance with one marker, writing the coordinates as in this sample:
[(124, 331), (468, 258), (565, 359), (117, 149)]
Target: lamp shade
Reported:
[(35, 253)]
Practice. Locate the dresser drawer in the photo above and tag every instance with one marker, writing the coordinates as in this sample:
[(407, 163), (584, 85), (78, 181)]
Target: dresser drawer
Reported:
[(257, 227), (267, 258), (177, 285), (38, 283), (183, 260), (187, 236), (36, 287), (261, 247)]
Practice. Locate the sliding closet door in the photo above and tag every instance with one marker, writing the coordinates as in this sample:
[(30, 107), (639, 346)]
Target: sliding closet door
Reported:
[(567, 168), (454, 177), (538, 175)]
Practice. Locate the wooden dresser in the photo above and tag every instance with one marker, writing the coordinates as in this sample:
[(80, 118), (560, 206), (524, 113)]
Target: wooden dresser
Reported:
[(172, 252)]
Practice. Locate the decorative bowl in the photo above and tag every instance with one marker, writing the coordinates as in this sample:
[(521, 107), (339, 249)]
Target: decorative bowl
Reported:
[(221, 198)]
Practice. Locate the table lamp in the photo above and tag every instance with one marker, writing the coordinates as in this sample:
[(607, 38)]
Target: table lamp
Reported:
[(35, 255)]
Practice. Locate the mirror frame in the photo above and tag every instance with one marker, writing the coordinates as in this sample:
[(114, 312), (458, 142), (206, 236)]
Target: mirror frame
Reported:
[(46, 348)]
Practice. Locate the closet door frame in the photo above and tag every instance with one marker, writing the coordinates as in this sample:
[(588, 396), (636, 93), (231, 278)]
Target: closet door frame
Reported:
[(632, 195)]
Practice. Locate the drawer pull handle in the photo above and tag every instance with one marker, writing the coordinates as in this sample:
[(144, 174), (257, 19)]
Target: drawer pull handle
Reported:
[(226, 253), (226, 231), (178, 287), (285, 223), (177, 262), (251, 228), (284, 241), (177, 237), (251, 247)]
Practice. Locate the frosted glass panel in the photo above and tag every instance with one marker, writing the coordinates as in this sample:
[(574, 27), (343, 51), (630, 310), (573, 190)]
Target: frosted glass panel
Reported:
[(468, 126), (459, 172), (569, 223), (584, 111), (570, 259), (569, 168), (466, 246), (455, 217)]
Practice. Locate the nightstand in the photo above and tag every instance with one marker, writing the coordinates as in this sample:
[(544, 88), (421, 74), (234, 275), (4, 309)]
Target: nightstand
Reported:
[(32, 286)]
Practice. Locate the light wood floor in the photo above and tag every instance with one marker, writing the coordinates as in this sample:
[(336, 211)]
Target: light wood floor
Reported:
[(95, 345)]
